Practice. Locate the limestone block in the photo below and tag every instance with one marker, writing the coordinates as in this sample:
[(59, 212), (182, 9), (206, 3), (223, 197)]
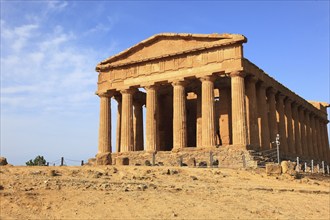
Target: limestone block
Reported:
[(191, 162), (273, 169), (122, 161), (103, 159), (3, 161), (288, 167)]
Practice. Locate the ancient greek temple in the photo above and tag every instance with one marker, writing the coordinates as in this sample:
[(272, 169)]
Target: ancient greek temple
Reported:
[(201, 95)]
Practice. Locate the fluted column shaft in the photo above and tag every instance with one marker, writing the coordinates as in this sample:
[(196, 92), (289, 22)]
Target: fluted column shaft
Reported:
[(263, 117), (127, 139), (138, 126), (199, 119), (319, 140), (151, 119), (281, 124), (104, 145), (238, 109), (302, 128), (289, 127), (295, 120), (326, 140), (273, 130), (179, 115), (118, 128), (310, 150), (314, 137), (251, 109)]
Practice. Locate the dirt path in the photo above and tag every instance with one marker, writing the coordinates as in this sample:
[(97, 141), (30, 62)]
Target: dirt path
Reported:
[(125, 192)]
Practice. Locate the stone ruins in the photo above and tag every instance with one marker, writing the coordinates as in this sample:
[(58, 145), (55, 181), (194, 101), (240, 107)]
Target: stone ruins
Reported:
[(202, 98)]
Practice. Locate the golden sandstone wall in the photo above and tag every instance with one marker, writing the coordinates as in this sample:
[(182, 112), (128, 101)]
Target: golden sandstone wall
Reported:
[(202, 95)]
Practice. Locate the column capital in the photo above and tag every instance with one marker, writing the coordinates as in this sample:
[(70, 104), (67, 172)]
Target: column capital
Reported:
[(207, 78), (239, 73), (105, 94), (288, 100), (280, 96), (252, 79), (179, 83), (151, 86), (128, 91), (262, 85), (271, 90)]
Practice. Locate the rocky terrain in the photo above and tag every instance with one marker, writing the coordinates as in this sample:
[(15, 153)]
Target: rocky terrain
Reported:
[(142, 192)]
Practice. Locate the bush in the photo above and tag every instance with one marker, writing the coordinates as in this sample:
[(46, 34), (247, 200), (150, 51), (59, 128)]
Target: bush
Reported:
[(38, 161)]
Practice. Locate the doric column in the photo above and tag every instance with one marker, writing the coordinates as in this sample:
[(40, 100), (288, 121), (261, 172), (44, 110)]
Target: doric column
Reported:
[(326, 140), (151, 118), (289, 127), (118, 128), (319, 138), (296, 131), (273, 130), (238, 109), (314, 139), (127, 140), (199, 119), (104, 145), (138, 125), (179, 115), (302, 128), (263, 116), (281, 124), (208, 133), (309, 137), (251, 111)]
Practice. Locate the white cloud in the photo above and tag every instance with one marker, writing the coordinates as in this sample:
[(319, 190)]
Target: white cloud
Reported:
[(45, 72)]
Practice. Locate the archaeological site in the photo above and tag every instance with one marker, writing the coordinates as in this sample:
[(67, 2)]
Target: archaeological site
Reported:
[(195, 98)]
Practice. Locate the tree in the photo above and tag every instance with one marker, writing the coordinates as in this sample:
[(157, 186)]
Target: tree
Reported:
[(38, 161)]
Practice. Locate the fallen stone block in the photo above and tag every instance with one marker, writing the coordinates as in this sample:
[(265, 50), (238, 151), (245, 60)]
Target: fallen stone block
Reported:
[(273, 169)]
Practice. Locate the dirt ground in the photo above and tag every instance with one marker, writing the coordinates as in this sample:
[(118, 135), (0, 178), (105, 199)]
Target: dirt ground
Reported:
[(128, 192)]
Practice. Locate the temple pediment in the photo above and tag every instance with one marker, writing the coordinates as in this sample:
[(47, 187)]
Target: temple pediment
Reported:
[(165, 45)]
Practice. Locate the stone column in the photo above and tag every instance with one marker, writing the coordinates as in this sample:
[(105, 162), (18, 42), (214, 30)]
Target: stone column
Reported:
[(289, 127), (127, 139), (273, 130), (105, 124), (309, 136), (118, 129), (138, 126), (281, 124), (199, 119), (238, 109), (151, 118), (302, 128), (296, 131), (263, 117), (179, 115), (314, 139), (318, 136), (208, 132), (326, 139), (251, 112)]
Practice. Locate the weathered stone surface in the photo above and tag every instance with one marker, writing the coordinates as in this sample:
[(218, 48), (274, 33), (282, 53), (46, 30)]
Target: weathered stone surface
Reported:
[(288, 167), (122, 161), (273, 169), (201, 93), (191, 162), (3, 161), (103, 159)]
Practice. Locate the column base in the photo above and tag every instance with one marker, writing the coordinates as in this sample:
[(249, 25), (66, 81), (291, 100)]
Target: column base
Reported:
[(103, 159)]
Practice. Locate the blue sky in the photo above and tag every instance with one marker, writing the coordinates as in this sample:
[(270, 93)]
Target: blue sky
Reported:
[(49, 50)]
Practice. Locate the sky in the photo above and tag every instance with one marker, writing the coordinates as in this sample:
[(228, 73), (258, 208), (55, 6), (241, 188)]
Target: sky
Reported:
[(49, 50)]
